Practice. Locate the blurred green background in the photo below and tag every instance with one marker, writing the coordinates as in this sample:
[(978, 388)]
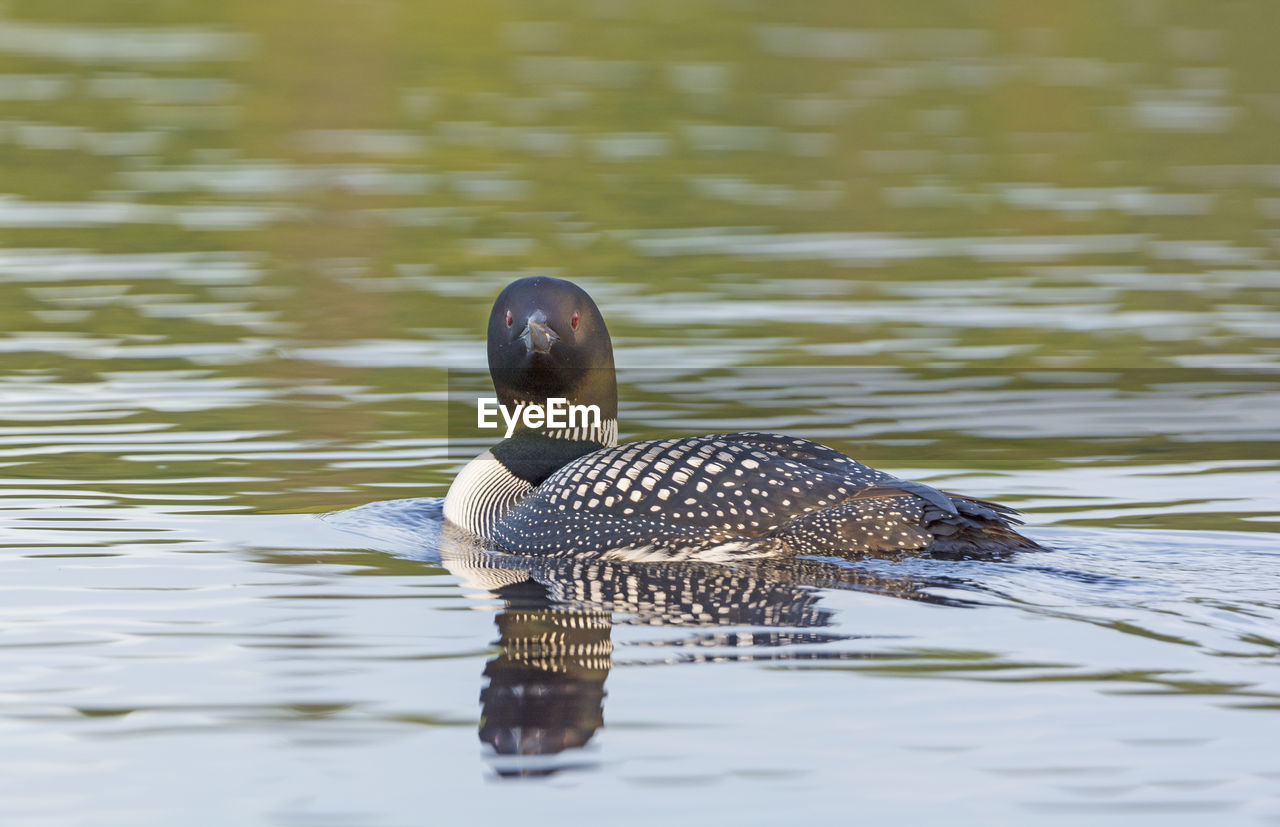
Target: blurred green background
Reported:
[(242, 244)]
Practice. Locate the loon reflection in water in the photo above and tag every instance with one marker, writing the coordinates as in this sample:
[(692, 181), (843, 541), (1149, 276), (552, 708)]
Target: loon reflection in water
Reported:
[(545, 690), (545, 693)]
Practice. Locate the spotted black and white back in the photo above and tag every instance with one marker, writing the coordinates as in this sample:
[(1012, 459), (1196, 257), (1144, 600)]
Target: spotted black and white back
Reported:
[(721, 498)]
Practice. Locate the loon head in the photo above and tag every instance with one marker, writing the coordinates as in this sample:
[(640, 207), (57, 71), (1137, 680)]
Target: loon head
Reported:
[(547, 339)]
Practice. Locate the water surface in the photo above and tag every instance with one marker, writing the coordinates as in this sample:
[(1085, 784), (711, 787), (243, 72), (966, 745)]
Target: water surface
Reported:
[(247, 251)]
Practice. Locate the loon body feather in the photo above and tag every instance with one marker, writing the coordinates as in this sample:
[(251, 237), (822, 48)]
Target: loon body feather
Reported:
[(733, 497)]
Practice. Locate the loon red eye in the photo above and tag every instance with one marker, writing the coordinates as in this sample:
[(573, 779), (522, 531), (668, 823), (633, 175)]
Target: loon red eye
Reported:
[(574, 321), (510, 321)]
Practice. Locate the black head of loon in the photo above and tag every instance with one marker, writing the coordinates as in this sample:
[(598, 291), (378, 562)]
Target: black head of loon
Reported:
[(548, 340)]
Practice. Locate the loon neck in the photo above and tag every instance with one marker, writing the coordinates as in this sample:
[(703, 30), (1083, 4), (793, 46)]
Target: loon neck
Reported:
[(601, 433), (535, 455)]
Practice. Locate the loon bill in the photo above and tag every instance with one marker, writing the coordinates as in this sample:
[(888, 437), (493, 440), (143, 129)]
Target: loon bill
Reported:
[(572, 491)]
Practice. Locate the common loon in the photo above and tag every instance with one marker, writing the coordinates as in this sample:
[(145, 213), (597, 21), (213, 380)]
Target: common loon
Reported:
[(574, 492)]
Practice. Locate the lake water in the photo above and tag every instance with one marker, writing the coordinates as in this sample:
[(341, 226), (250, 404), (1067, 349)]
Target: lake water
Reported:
[(247, 252)]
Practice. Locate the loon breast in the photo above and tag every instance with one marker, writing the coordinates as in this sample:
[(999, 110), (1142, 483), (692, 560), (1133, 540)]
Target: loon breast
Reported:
[(482, 493)]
